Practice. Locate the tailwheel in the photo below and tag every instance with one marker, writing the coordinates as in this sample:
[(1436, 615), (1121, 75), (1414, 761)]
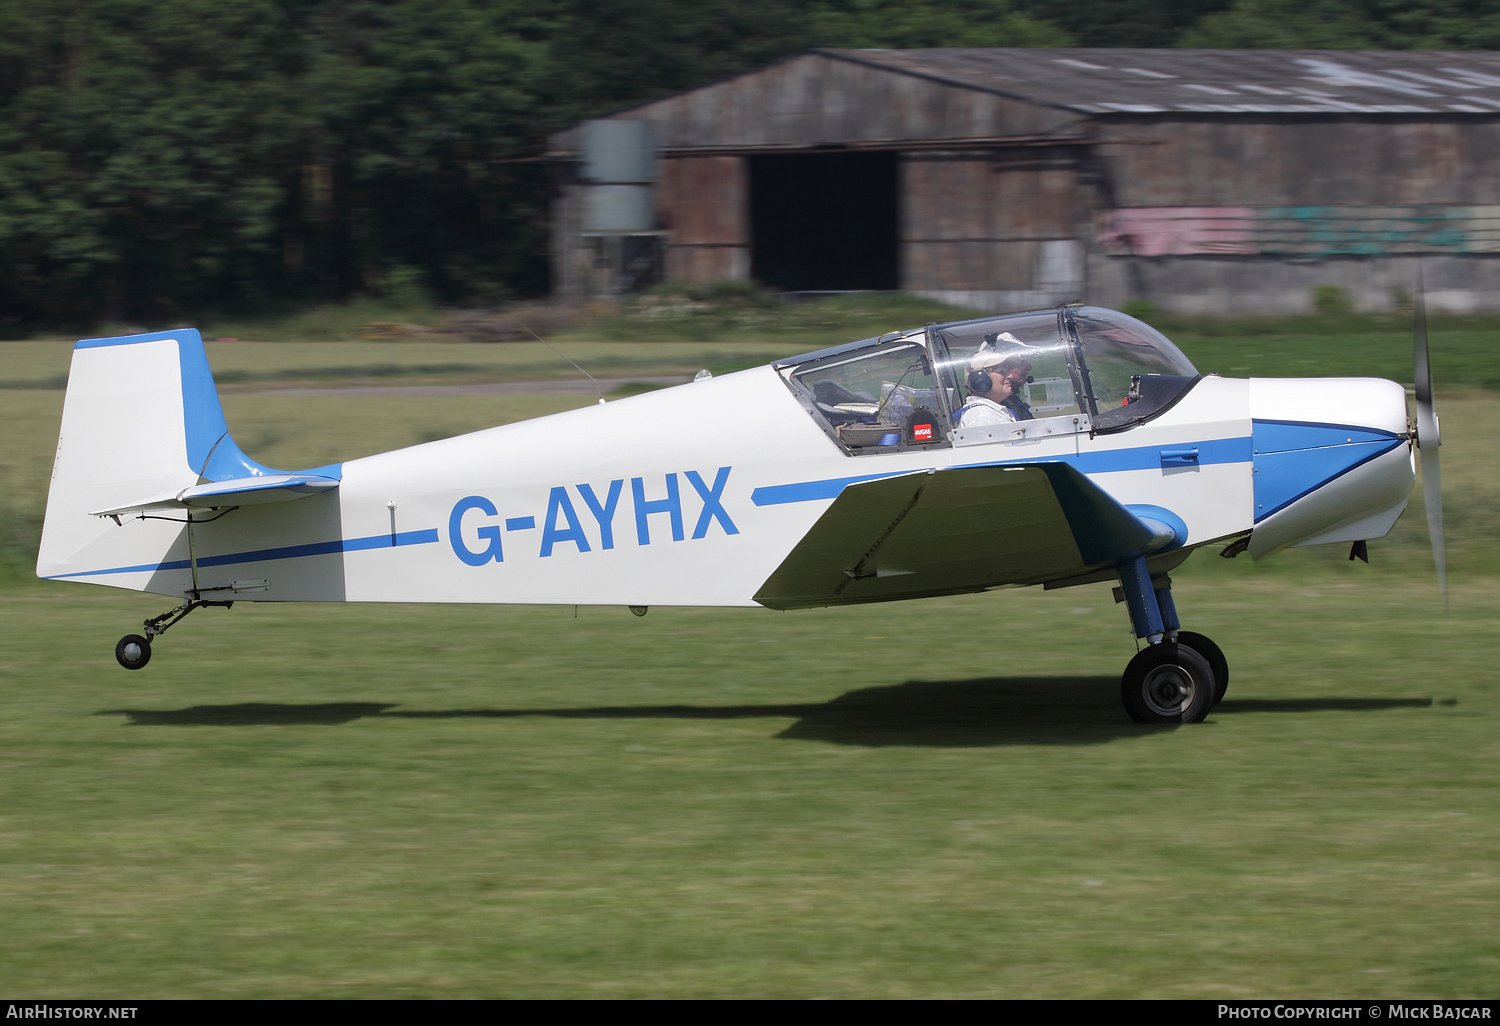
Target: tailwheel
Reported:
[(1167, 683), (133, 651), (1213, 655)]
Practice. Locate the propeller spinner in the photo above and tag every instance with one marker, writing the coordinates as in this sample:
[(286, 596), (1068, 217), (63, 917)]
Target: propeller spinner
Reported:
[(1428, 438)]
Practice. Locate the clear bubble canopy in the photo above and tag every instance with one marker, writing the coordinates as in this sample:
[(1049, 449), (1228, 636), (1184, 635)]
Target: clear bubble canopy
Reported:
[(908, 389)]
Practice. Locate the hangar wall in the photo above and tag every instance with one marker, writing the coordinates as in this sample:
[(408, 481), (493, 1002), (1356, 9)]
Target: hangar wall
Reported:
[(704, 202), (817, 99), (810, 104), (1006, 203), (1250, 215), (998, 229)]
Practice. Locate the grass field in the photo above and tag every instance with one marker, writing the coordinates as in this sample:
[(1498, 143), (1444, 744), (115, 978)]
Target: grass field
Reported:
[(914, 799)]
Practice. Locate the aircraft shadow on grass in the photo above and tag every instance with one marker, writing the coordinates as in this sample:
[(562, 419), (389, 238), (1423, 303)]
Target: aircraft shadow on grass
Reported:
[(951, 714)]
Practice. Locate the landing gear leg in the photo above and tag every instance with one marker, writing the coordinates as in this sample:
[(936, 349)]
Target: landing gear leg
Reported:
[(1168, 681), (134, 651), (1211, 653)]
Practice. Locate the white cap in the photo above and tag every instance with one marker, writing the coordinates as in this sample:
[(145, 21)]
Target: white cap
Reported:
[(986, 358)]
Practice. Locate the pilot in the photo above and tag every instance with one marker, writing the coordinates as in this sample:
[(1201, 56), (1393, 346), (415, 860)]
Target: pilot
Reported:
[(989, 388), (1017, 370)]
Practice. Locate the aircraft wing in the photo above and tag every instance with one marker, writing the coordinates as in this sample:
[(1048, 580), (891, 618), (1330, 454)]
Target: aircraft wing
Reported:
[(946, 532)]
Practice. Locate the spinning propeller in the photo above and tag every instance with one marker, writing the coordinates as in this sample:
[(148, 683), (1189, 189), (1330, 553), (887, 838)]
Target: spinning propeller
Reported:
[(1428, 439)]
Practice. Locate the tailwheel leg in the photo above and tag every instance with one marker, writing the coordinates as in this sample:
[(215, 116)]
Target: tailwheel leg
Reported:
[(133, 651)]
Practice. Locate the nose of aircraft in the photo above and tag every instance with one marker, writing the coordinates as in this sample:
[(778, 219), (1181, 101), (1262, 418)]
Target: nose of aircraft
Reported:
[(1332, 460)]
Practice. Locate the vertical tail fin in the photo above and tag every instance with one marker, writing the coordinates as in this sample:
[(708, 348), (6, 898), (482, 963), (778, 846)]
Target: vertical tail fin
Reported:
[(141, 423)]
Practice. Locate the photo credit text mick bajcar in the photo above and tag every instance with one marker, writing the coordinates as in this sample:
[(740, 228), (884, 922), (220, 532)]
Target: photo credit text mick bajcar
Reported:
[(1360, 1010)]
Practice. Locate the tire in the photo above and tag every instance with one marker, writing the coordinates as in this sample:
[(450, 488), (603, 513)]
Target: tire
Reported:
[(133, 651), (1167, 684), (1213, 655)]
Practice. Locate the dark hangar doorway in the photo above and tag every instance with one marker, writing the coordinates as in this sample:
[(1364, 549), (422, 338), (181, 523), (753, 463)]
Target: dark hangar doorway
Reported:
[(823, 221)]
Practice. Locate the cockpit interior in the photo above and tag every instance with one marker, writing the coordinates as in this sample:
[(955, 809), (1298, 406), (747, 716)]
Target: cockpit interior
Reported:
[(1085, 369)]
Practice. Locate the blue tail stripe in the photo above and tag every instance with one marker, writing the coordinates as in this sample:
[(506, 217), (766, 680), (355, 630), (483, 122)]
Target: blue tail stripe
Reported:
[(211, 451), (374, 541)]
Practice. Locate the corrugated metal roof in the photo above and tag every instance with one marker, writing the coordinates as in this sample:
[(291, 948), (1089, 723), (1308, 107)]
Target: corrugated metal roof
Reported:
[(1245, 82)]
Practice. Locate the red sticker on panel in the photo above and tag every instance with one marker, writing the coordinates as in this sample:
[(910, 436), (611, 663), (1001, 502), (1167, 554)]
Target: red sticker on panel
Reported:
[(922, 432)]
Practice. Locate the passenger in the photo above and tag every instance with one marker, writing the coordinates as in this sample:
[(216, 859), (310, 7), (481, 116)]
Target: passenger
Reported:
[(989, 388)]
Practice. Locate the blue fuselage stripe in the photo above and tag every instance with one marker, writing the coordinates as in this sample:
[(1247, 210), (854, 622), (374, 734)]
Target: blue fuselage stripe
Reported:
[(1108, 461), (375, 541), (1145, 457), (806, 491)]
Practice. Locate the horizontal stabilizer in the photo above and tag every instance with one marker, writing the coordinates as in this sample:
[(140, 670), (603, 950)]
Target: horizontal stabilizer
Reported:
[(244, 491), (947, 532)]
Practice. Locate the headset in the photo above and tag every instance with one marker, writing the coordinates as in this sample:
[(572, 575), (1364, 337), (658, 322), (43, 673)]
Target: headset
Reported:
[(979, 380)]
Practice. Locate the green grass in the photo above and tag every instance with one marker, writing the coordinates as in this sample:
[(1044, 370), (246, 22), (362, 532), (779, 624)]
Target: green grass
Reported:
[(743, 328), (918, 799), (732, 311), (327, 322), (328, 801), (43, 364), (1465, 352)]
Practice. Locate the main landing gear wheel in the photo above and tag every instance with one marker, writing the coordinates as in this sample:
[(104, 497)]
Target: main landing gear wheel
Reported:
[(1167, 683), (133, 651), (1213, 655)]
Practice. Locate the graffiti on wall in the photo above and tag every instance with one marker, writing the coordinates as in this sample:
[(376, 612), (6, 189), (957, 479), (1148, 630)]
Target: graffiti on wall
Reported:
[(1298, 231)]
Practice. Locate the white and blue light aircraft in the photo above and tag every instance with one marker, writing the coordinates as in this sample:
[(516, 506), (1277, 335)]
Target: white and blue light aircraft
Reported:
[(843, 476)]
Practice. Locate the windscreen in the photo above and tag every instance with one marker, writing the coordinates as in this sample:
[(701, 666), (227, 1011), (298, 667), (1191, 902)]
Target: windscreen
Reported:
[(1117, 348)]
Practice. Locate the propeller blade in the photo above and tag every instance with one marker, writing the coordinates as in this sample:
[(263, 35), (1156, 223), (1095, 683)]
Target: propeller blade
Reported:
[(1423, 375), (1429, 438), (1432, 495)]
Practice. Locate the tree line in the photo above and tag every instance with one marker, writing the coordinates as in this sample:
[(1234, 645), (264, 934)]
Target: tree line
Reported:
[(163, 161)]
